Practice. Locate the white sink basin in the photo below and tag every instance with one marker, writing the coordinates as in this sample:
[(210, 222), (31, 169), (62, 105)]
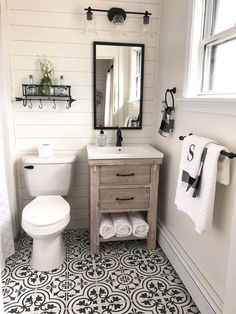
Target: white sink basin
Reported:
[(126, 151)]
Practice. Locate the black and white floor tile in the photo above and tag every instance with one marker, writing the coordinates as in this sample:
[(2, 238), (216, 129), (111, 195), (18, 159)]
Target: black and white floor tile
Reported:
[(124, 278)]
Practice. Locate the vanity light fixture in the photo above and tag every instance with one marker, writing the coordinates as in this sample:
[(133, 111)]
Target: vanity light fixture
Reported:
[(117, 15)]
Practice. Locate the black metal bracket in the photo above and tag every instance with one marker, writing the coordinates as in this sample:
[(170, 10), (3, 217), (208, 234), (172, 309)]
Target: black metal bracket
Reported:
[(113, 11), (230, 155), (172, 91), (33, 92)]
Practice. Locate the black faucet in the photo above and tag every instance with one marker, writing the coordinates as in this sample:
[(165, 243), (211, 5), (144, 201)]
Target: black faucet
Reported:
[(119, 137)]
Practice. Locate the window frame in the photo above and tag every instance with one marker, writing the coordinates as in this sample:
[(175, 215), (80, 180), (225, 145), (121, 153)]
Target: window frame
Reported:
[(200, 36)]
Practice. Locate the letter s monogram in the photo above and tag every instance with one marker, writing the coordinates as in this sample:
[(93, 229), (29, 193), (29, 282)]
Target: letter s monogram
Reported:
[(191, 154)]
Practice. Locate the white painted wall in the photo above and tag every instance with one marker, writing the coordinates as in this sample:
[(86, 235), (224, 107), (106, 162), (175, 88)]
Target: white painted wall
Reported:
[(54, 28), (208, 252)]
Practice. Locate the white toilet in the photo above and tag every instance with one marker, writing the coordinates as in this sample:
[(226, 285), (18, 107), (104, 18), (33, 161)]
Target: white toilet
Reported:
[(48, 214)]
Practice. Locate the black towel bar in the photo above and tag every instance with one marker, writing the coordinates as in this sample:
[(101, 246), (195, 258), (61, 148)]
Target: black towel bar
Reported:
[(227, 154)]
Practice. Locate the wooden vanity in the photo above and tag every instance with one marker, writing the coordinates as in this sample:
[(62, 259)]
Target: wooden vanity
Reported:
[(122, 184)]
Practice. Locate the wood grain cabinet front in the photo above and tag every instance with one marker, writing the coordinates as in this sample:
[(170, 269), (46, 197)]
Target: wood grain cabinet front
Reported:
[(124, 199), (123, 186), (125, 174)]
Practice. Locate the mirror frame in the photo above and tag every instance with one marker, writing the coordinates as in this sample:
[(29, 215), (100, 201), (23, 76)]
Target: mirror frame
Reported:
[(101, 43)]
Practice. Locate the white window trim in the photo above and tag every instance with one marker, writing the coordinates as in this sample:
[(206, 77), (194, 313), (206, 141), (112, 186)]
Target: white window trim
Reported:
[(217, 104)]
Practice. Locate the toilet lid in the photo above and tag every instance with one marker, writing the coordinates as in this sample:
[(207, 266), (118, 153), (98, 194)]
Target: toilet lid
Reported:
[(46, 210)]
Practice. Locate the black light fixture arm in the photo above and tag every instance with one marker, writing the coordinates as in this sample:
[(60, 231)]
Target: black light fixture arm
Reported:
[(95, 10), (127, 12)]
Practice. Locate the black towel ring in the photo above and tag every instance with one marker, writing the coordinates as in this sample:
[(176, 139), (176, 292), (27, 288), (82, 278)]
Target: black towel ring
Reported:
[(172, 91)]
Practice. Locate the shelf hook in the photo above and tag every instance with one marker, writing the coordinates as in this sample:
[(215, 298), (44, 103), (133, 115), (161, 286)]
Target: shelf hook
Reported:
[(30, 105), (41, 104), (68, 106), (54, 106)]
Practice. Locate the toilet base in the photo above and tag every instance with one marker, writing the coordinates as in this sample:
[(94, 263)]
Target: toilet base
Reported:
[(48, 253)]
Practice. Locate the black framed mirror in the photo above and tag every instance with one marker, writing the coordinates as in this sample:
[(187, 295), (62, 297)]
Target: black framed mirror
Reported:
[(118, 71)]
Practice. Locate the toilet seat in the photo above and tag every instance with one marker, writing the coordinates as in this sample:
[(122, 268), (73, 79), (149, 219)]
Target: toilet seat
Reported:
[(46, 211), (45, 216)]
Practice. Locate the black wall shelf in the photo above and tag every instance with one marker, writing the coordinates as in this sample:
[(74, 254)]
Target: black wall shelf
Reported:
[(54, 93)]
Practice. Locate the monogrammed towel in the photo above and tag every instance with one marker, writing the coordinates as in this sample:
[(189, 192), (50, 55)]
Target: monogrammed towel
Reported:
[(200, 208)]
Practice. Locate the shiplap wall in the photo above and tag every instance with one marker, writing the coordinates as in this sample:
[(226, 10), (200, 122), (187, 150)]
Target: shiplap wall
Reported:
[(55, 28)]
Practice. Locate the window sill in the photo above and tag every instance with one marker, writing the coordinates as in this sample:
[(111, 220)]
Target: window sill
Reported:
[(222, 106)]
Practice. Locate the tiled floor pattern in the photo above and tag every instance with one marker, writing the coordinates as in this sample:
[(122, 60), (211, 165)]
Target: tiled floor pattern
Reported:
[(124, 278)]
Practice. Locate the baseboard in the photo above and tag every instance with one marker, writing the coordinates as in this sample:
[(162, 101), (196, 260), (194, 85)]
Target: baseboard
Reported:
[(202, 293)]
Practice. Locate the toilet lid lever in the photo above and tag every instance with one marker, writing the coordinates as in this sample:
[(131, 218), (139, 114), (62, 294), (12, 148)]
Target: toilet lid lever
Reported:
[(29, 167)]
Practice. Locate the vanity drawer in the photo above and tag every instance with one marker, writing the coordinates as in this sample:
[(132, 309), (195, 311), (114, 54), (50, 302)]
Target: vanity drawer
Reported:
[(125, 174), (112, 199)]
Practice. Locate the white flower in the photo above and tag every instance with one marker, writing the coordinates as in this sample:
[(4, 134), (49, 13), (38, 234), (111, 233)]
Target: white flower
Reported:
[(46, 66)]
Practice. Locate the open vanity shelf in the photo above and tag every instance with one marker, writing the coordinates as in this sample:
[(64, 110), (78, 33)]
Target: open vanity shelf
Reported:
[(123, 185)]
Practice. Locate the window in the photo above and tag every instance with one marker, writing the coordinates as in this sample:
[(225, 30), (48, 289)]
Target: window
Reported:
[(135, 74), (214, 38)]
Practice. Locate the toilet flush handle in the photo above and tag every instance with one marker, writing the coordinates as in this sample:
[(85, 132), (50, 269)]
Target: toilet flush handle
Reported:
[(29, 167)]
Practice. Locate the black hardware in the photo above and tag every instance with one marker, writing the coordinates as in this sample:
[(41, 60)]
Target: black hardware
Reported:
[(54, 106), (29, 167), (181, 137), (115, 11), (30, 105), (125, 175), (39, 96), (125, 199), (41, 104), (172, 91), (111, 11), (230, 155), (119, 138)]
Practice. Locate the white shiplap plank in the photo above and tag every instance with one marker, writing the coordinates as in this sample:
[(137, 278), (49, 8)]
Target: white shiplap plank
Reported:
[(80, 106), (75, 7), (75, 21), (85, 106), (65, 50), (31, 63), (34, 118), (71, 132), (57, 119), (75, 143), (75, 78), (51, 49), (72, 36)]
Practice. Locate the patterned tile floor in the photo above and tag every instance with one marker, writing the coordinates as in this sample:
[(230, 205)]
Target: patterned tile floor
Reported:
[(124, 277)]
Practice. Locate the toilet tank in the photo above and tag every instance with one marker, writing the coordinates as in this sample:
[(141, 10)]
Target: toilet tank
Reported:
[(48, 175)]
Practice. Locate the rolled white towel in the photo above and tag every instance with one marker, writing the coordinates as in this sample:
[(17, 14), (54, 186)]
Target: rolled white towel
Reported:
[(106, 229), (121, 224), (139, 225)]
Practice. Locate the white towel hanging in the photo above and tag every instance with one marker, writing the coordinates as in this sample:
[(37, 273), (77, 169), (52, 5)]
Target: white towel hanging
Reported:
[(200, 208)]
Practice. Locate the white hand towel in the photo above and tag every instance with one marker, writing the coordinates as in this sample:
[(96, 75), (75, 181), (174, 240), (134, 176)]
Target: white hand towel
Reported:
[(192, 150), (121, 224), (139, 225), (200, 209), (106, 229)]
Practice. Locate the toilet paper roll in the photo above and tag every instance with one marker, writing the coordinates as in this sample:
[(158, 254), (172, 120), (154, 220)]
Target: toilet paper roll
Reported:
[(45, 150)]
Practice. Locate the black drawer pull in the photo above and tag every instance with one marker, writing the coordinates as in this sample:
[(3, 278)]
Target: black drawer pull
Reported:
[(125, 199), (29, 167), (125, 174)]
